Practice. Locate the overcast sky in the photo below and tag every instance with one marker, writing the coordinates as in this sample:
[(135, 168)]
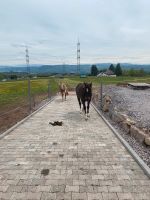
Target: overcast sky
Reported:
[(108, 30)]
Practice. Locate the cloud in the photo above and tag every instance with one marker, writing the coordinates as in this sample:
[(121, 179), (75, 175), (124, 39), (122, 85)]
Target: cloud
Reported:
[(109, 30)]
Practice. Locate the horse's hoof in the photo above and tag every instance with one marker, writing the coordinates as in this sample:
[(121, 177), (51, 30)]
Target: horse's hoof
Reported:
[(88, 115), (86, 118)]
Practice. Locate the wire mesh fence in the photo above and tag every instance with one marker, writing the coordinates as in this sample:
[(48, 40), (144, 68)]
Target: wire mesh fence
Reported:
[(97, 96), (14, 99)]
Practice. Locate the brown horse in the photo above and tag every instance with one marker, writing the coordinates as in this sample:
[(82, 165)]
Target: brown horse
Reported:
[(84, 94), (63, 90)]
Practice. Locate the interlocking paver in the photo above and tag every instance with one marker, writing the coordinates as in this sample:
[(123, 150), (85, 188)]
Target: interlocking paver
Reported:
[(84, 159)]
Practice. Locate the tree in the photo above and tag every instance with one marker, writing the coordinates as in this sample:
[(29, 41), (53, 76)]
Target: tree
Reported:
[(141, 72), (118, 70), (94, 70), (2, 76), (112, 68), (13, 76)]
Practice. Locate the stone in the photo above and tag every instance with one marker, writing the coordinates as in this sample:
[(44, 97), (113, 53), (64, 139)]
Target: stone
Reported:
[(101, 169), (127, 123), (126, 127), (147, 141), (118, 117), (137, 133), (106, 101)]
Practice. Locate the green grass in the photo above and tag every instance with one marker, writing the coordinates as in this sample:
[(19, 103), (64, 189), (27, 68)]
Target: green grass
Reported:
[(73, 81), (15, 92)]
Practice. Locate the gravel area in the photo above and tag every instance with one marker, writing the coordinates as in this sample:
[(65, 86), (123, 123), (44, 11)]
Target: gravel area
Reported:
[(141, 149), (136, 104)]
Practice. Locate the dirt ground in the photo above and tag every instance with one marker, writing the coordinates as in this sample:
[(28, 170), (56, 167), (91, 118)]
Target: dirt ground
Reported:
[(12, 114)]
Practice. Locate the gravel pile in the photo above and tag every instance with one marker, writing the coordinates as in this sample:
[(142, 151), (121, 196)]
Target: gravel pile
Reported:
[(136, 104), (141, 149)]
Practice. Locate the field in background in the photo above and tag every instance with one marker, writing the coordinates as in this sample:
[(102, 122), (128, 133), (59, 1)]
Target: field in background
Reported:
[(14, 104), (73, 81), (14, 94)]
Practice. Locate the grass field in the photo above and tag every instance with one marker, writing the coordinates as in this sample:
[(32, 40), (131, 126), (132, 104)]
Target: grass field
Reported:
[(72, 81), (14, 92)]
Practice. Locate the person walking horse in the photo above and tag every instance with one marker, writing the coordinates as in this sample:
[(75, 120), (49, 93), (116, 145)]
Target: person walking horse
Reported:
[(84, 94)]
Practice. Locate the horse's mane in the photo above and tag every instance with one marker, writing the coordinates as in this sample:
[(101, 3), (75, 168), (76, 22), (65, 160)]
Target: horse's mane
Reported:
[(84, 90), (87, 89)]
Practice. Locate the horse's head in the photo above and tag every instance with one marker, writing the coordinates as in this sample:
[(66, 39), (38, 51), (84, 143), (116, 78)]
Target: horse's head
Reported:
[(88, 88)]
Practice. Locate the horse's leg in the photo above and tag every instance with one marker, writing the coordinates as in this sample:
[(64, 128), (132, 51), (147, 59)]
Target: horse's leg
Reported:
[(84, 107), (79, 103), (88, 106), (62, 95), (65, 95)]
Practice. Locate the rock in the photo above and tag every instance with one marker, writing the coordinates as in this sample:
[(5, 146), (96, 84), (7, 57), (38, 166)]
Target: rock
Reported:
[(126, 126), (106, 108), (127, 123), (137, 133), (147, 141), (118, 117), (107, 102), (147, 131)]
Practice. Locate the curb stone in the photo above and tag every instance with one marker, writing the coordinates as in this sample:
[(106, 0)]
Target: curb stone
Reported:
[(140, 162)]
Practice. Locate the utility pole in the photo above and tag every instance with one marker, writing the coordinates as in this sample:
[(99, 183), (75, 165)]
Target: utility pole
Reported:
[(64, 69), (29, 85), (78, 57)]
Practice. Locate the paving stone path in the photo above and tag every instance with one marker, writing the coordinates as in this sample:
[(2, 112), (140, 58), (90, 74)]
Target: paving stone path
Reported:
[(79, 160)]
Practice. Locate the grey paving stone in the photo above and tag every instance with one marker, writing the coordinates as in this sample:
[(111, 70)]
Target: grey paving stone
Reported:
[(65, 196), (79, 196), (125, 196), (94, 196), (110, 196), (48, 196), (84, 158)]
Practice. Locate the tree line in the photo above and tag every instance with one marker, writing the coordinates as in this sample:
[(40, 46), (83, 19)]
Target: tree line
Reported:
[(118, 71)]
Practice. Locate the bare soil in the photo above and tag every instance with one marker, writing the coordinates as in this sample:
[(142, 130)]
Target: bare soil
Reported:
[(11, 114)]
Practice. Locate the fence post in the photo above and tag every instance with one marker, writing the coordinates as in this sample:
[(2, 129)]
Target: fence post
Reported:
[(101, 96), (49, 95), (29, 95)]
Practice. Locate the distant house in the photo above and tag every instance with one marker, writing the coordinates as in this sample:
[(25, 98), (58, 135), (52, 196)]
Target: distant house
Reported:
[(4, 79), (82, 76), (101, 74), (107, 73)]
